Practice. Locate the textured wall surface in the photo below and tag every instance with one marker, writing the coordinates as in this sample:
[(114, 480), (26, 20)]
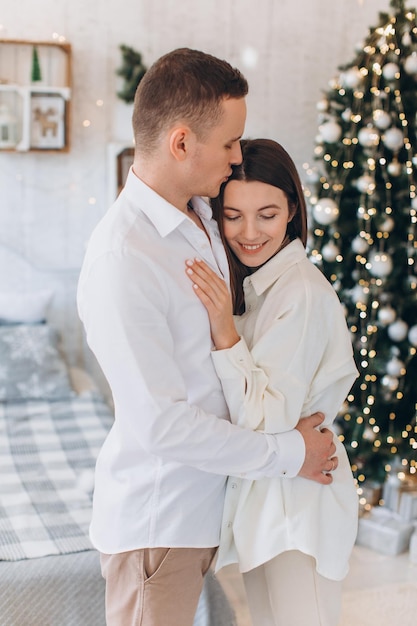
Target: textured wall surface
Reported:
[(287, 49)]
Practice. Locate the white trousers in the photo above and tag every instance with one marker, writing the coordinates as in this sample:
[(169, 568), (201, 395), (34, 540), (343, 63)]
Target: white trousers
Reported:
[(287, 591)]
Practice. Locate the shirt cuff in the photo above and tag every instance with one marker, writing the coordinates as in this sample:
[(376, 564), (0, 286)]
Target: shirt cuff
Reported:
[(229, 362), (290, 453)]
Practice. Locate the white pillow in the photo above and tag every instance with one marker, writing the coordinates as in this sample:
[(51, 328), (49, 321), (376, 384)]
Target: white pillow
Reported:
[(28, 307)]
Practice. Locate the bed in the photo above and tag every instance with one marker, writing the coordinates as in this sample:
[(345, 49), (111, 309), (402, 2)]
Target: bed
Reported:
[(53, 420)]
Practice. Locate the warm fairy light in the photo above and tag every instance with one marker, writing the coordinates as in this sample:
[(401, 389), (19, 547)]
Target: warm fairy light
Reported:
[(86, 123)]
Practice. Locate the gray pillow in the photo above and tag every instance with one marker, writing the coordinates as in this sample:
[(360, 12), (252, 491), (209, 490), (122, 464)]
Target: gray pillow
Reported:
[(31, 366)]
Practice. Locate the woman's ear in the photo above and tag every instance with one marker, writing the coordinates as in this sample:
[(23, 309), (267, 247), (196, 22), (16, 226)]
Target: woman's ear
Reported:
[(292, 210), (180, 141)]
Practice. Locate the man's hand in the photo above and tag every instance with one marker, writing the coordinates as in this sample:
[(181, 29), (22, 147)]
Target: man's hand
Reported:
[(320, 448)]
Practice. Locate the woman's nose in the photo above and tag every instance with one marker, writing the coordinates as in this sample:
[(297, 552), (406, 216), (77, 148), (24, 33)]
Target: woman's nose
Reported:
[(250, 230)]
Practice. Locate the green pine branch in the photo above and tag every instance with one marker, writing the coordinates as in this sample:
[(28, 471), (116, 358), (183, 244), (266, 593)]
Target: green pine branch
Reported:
[(132, 70)]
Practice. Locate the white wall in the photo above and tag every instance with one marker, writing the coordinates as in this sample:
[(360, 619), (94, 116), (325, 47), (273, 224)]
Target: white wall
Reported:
[(49, 203)]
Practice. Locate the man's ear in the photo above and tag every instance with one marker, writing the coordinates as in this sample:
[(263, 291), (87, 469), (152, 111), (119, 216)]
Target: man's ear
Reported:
[(180, 142)]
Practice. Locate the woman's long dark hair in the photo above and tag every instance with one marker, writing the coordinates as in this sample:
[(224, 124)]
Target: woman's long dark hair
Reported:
[(266, 161)]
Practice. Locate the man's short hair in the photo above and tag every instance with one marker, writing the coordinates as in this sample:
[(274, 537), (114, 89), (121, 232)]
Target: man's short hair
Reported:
[(187, 86)]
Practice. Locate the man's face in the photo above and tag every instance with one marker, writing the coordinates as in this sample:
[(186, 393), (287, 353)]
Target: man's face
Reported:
[(213, 158)]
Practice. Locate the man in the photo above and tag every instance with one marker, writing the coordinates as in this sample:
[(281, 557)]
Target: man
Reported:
[(161, 473)]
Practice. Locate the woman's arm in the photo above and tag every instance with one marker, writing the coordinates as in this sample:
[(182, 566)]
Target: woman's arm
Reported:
[(272, 384)]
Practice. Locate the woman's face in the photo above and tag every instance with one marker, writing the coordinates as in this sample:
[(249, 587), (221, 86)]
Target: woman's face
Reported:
[(255, 218)]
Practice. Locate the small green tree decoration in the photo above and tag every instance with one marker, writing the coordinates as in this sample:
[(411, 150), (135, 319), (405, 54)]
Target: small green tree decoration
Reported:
[(36, 68), (132, 70)]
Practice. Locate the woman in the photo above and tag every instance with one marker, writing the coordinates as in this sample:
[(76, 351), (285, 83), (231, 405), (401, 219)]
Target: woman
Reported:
[(287, 352)]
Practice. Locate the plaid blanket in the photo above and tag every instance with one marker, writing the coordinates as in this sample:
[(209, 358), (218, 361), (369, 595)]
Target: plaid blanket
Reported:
[(48, 451)]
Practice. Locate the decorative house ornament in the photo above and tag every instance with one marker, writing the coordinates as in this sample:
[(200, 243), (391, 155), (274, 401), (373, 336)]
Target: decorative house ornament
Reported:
[(35, 87), (8, 128)]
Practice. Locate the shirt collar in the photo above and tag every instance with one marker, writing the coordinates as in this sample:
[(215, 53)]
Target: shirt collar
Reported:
[(163, 215), (266, 275)]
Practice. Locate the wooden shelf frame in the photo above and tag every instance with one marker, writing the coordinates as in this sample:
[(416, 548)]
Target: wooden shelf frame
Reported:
[(42, 109)]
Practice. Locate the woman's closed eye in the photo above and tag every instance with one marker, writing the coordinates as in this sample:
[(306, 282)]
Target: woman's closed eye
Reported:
[(262, 216)]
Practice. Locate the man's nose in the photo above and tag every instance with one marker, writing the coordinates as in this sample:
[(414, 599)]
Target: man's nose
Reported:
[(236, 156)]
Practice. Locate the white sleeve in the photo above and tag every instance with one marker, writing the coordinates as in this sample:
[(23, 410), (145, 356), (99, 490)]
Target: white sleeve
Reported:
[(135, 348), (271, 386)]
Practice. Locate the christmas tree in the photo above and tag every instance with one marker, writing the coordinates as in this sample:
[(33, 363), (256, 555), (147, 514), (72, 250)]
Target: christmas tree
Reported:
[(361, 192)]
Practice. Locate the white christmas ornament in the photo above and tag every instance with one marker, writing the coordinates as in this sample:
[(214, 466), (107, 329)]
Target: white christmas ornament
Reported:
[(406, 39), (359, 245), (381, 118), (412, 336), (390, 382), (365, 184), (390, 71), (368, 136), (410, 64), (325, 211), (393, 139), (330, 251), (358, 295), (398, 330), (394, 168), (387, 225), (380, 264), (395, 367), (330, 132), (351, 78), (347, 115), (322, 105), (386, 315)]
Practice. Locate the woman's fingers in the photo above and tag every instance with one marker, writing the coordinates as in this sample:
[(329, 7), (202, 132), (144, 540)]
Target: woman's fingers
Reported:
[(207, 280)]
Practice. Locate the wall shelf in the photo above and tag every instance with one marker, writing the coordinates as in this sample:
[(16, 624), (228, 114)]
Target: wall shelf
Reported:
[(35, 95)]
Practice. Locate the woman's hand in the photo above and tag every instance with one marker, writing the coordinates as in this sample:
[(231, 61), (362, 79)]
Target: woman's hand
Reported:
[(214, 294)]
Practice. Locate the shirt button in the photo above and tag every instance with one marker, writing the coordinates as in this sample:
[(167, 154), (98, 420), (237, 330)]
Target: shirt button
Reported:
[(284, 472), (229, 524), (234, 485)]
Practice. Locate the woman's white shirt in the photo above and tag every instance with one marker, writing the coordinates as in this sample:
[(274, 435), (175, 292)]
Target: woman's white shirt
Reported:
[(295, 357)]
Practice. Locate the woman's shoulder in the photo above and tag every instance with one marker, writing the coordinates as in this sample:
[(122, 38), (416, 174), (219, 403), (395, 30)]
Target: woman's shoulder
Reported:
[(304, 276)]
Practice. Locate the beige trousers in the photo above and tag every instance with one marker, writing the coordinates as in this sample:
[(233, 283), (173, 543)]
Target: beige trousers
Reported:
[(287, 591), (154, 586)]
